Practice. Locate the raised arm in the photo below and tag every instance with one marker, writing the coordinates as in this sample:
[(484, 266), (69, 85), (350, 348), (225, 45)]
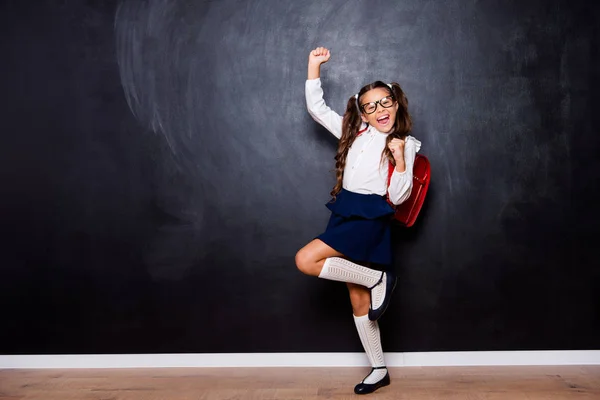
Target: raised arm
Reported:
[(315, 103), (401, 183)]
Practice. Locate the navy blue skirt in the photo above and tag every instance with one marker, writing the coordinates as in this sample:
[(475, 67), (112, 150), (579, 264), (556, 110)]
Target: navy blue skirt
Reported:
[(360, 227)]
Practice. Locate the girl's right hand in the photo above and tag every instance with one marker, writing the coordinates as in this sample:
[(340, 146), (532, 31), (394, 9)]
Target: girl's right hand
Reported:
[(319, 56)]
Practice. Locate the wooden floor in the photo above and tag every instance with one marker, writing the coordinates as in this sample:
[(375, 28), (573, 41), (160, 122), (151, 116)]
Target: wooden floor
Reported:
[(470, 383)]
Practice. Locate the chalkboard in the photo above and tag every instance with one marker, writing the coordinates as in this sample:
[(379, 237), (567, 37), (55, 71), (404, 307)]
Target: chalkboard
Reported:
[(160, 171)]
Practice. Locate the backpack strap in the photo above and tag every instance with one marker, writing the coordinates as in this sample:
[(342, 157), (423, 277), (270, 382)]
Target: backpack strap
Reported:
[(360, 132), (390, 173), (389, 181)]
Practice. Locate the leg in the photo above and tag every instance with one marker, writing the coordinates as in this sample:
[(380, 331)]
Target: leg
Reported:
[(310, 258), (319, 259), (368, 331), (360, 297)]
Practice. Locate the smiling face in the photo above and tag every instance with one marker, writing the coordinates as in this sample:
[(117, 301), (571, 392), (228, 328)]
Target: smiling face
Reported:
[(382, 118)]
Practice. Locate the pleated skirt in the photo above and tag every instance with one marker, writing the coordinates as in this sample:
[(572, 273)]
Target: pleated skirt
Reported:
[(360, 227)]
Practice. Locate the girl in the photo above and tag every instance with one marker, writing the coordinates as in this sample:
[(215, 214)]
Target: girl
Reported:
[(372, 132)]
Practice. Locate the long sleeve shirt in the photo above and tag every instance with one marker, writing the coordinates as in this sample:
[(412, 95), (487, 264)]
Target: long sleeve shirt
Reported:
[(365, 172)]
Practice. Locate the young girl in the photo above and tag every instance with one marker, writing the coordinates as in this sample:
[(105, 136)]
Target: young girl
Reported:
[(373, 132)]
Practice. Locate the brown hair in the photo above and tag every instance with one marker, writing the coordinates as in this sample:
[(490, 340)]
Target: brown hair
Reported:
[(351, 125)]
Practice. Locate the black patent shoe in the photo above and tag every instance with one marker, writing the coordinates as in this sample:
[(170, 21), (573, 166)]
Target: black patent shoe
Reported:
[(366, 388), (390, 285)]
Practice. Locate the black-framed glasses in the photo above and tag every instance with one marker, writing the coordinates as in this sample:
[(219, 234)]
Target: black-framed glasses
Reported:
[(370, 108)]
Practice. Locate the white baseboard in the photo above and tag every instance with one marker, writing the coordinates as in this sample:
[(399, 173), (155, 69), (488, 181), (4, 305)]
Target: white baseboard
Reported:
[(481, 358)]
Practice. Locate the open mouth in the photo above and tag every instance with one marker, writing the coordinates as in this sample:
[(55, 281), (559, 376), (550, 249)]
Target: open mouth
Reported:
[(383, 120)]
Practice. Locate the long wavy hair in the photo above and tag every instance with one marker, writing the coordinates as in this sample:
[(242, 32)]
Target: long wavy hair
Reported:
[(352, 122)]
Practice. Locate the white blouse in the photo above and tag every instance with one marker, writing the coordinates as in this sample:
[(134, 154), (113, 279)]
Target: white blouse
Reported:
[(365, 172)]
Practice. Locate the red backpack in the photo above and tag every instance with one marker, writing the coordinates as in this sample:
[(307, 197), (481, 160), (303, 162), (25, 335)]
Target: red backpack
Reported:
[(407, 212)]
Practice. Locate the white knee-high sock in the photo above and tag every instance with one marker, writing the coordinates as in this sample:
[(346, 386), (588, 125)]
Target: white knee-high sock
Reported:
[(368, 331), (342, 270)]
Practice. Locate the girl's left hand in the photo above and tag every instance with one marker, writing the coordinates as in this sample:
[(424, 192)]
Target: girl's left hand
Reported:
[(396, 146)]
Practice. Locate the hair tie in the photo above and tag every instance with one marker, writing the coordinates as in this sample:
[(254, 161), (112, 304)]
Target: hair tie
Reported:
[(390, 85)]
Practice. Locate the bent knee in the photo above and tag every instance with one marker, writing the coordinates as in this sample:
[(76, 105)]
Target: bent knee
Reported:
[(305, 263)]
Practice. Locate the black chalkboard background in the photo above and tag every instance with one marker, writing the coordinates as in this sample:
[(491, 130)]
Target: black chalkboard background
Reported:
[(159, 171)]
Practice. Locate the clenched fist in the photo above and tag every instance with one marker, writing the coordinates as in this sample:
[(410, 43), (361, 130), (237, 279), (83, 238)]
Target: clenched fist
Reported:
[(319, 56), (396, 146)]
